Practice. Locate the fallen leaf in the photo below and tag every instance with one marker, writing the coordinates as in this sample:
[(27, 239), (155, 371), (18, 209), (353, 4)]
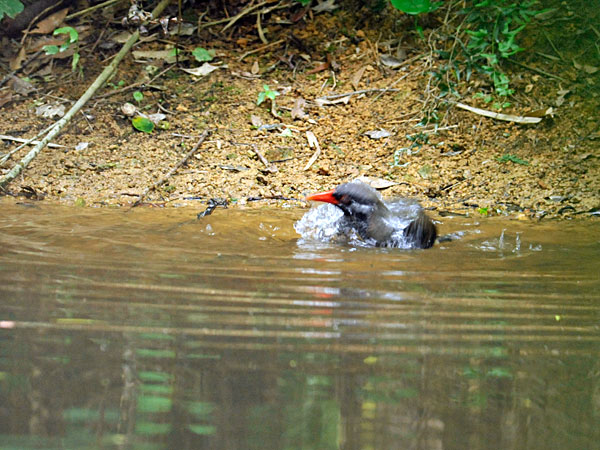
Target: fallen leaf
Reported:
[(21, 86), (355, 80), (5, 97), (256, 121), (157, 117), (142, 124), (17, 61), (298, 109), (203, 70), (50, 23), (376, 182), (49, 111), (390, 61), (378, 134), (325, 6)]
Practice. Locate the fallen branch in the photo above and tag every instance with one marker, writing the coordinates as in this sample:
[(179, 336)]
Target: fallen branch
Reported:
[(164, 179), (99, 82), (499, 116)]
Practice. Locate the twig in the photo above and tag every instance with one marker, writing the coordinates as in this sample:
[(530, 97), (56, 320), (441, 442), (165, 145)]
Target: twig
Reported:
[(390, 86), (242, 14), (164, 179), (58, 126), (135, 85), (265, 161), (261, 33), (272, 44), (27, 141), (312, 142), (15, 150), (350, 94), (499, 116), (541, 72), (92, 8)]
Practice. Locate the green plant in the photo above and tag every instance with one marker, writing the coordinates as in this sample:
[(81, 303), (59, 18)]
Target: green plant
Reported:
[(138, 96), (72, 39), (491, 31), (202, 55), (417, 141), (266, 93), (415, 7), (10, 8), (512, 158)]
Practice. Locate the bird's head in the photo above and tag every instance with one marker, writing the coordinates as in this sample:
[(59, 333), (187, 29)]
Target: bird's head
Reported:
[(357, 200)]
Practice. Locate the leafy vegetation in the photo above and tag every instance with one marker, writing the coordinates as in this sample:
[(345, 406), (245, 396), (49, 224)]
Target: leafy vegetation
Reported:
[(10, 8), (72, 40), (266, 93)]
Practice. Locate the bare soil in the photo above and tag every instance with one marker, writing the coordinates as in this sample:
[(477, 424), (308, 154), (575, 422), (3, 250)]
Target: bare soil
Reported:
[(463, 163)]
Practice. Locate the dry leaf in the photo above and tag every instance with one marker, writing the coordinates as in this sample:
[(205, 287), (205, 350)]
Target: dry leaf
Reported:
[(5, 97), (203, 70), (256, 121), (375, 182), (50, 23), (390, 61), (378, 134), (16, 62), (355, 80), (298, 109)]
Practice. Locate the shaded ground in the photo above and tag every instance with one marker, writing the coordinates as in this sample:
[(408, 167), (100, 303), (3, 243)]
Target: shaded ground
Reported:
[(455, 165)]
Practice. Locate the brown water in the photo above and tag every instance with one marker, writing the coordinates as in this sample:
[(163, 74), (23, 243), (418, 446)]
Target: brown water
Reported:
[(150, 329)]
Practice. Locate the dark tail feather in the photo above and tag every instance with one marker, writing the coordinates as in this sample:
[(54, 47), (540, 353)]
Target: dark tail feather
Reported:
[(421, 231)]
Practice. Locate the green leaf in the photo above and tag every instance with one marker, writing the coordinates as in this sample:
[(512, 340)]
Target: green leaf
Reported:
[(512, 158), (202, 429), (142, 124), (415, 7), (10, 7), (138, 96), (51, 49), (72, 32), (261, 97), (202, 55)]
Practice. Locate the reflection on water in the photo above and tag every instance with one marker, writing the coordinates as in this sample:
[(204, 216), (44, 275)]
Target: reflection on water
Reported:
[(150, 330)]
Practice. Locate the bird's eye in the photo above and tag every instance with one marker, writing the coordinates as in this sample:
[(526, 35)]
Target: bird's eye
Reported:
[(345, 199)]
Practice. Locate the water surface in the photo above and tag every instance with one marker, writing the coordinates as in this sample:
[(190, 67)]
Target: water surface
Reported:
[(150, 329)]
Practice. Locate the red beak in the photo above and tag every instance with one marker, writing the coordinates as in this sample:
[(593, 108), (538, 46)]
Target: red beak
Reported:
[(324, 197)]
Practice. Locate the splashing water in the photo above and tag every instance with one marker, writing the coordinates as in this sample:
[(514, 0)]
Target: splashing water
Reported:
[(326, 223)]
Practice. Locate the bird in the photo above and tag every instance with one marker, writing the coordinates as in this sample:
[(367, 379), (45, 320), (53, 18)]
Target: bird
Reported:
[(366, 214)]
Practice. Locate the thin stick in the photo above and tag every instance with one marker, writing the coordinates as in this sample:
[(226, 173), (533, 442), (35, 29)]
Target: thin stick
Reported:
[(92, 8), (242, 14), (541, 72), (4, 137), (135, 85), (24, 144), (362, 91), (58, 126), (272, 44), (172, 171), (263, 160)]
